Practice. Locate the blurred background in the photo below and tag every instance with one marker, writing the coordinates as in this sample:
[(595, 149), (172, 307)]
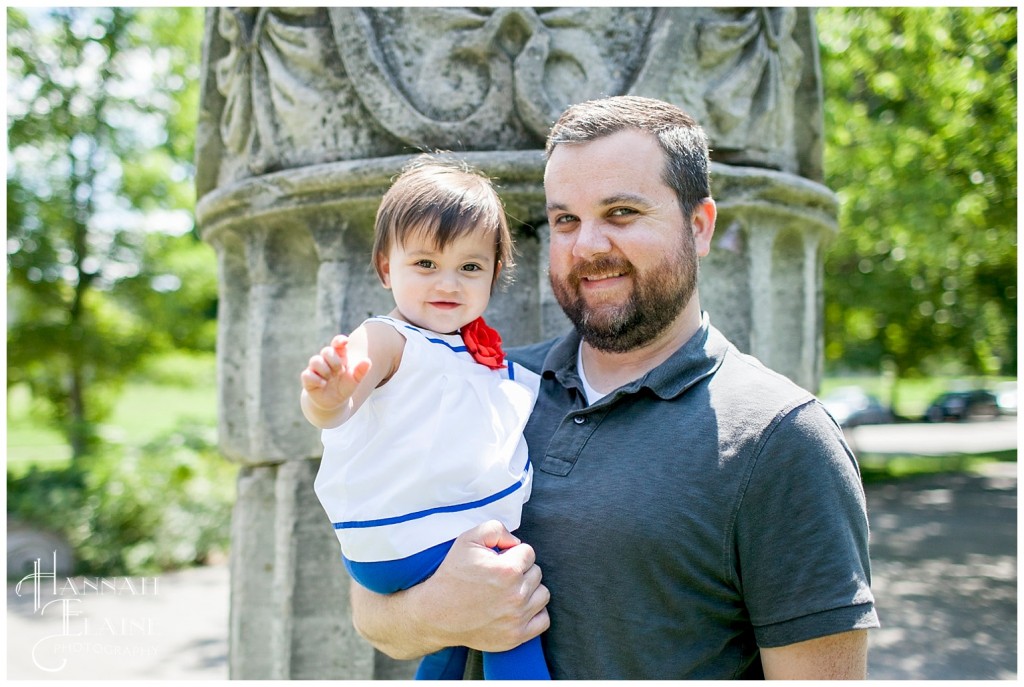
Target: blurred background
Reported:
[(112, 297)]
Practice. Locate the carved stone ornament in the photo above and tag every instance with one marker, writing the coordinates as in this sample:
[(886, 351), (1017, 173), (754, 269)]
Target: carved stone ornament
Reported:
[(278, 97), (487, 77), (273, 65), (300, 86), (757, 66)]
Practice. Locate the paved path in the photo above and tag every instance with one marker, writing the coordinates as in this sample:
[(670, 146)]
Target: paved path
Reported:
[(944, 576), (174, 626), (934, 439), (944, 563)]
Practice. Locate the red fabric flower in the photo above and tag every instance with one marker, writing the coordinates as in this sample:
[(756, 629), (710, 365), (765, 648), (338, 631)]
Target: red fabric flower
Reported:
[(483, 343)]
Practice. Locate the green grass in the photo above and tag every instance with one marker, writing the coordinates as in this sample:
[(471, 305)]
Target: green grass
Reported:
[(879, 468), (144, 410), (29, 439)]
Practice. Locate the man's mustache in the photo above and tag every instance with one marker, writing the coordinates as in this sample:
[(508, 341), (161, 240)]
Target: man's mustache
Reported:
[(599, 268)]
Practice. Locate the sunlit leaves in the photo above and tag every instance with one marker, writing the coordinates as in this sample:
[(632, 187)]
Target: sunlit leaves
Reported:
[(921, 147), (101, 119)]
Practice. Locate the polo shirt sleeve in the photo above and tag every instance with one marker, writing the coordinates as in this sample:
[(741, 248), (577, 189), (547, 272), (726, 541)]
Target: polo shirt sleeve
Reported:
[(801, 536)]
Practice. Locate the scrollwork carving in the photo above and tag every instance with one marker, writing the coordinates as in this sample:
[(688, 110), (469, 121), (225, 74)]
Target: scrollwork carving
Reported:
[(478, 78), (291, 87)]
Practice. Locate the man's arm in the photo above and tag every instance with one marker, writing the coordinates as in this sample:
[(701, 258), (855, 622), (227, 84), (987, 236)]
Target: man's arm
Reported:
[(478, 598), (842, 656)]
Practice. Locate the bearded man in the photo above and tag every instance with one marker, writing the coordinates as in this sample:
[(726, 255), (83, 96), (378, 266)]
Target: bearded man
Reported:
[(694, 514)]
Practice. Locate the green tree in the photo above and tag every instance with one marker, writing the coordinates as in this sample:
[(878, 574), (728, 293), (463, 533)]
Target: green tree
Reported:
[(102, 105), (921, 146)]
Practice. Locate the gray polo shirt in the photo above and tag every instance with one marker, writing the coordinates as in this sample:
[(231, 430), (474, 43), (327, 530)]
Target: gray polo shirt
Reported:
[(691, 516)]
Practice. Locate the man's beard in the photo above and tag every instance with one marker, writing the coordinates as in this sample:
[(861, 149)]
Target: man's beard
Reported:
[(659, 296)]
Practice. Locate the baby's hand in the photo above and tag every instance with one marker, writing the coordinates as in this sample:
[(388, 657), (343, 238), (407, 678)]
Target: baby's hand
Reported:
[(331, 377)]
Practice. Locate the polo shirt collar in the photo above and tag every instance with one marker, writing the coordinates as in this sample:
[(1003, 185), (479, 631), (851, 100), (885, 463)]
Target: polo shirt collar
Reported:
[(698, 358)]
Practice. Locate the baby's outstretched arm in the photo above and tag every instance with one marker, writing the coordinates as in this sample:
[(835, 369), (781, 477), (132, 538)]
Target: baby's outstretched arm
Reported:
[(338, 379)]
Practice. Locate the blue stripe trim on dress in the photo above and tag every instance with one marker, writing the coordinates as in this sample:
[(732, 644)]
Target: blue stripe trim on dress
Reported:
[(457, 349), (361, 524)]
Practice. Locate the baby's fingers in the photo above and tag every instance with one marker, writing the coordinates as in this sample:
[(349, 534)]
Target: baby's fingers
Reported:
[(311, 381), (339, 343), (346, 363)]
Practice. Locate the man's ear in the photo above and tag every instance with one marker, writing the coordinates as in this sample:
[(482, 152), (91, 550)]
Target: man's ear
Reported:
[(702, 222)]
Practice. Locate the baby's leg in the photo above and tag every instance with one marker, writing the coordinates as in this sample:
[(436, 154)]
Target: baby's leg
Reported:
[(387, 577), (446, 664), (525, 662)]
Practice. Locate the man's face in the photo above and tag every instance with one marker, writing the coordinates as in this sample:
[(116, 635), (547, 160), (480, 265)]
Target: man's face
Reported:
[(623, 258)]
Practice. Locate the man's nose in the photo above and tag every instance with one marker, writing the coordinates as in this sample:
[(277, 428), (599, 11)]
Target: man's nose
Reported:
[(591, 240)]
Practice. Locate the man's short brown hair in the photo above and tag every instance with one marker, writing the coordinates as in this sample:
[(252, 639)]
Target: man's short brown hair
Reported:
[(679, 136)]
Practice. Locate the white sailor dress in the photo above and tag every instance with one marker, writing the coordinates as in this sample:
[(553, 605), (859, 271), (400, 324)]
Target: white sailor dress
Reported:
[(434, 452)]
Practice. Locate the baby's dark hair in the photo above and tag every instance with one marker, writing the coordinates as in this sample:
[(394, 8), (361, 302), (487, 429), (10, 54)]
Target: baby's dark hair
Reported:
[(445, 199)]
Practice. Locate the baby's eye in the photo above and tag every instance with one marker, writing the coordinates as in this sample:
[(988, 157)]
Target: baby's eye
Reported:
[(472, 267), (425, 264)]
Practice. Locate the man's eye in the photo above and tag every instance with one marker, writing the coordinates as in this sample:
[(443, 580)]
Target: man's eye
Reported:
[(564, 220), (622, 212)]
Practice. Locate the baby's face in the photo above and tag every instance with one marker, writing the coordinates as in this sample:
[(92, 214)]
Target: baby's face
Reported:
[(441, 290)]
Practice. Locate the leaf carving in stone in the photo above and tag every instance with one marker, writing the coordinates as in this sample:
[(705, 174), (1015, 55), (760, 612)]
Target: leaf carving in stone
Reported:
[(485, 77), (759, 63)]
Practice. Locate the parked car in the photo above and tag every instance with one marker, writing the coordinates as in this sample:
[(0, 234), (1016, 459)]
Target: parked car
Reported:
[(1006, 398), (852, 406), (957, 406)]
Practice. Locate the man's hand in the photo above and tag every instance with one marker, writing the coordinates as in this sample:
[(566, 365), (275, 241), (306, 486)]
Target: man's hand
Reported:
[(503, 601), (479, 597)]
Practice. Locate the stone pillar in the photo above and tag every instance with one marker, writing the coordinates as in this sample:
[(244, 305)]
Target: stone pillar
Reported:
[(306, 115)]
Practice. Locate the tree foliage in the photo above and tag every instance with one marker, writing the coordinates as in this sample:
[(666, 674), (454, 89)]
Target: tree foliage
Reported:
[(134, 510), (102, 105), (921, 127)]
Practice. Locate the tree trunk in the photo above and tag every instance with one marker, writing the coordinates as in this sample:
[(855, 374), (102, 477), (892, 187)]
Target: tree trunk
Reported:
[(79, 431)]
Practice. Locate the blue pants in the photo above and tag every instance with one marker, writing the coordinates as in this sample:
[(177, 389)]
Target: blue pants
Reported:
[(525, 662)]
